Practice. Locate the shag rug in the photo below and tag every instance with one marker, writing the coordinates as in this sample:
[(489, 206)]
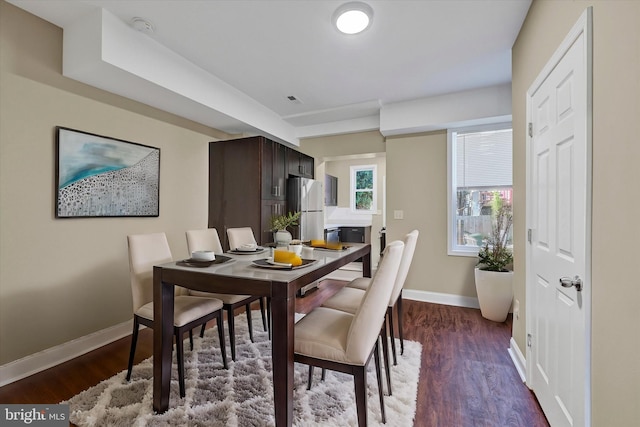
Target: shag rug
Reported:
[(243, 394)]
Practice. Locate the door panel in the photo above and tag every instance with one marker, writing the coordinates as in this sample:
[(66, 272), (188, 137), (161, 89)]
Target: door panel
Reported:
[(542, 200), (565, 159)]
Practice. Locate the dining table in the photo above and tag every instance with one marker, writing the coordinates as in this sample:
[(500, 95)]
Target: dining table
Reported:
[(245, 274)]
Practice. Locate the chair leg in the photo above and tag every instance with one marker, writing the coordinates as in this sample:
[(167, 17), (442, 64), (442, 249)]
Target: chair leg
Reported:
[(393, 338), (180, 357), (360, 380), (191, 338), (385, 354), (264, 317), (223, 349), (269, 315), (249, 323), (204, 325), (134, 341), (310, 380), (376, 358), (400, 323), (232, 333)]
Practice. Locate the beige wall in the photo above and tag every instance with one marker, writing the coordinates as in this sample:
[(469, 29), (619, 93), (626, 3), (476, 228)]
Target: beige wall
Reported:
[(61, 279), (616, 108), (417, 185)]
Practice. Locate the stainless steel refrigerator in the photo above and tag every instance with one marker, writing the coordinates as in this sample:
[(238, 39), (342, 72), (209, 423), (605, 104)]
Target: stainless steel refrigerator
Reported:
[(306, 196)]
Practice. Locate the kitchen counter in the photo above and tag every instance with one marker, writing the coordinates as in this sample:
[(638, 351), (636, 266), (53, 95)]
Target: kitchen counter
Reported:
[(347, 224)]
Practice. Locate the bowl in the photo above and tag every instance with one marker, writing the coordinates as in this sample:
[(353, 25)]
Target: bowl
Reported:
[(203, 255)]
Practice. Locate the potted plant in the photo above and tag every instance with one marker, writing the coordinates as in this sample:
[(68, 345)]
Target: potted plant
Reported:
[(279, 225), (493, 273)]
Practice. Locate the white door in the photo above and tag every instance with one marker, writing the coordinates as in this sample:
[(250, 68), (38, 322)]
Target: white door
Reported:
[(558, 215)]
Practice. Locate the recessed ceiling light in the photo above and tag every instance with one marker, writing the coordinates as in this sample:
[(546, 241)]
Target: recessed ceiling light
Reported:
[(353, 17)]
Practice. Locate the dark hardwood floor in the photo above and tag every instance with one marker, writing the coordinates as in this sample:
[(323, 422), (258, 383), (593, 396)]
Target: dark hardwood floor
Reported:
[(466, 379)]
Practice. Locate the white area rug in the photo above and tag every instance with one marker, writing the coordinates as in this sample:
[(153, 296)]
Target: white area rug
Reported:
[(243, 394)]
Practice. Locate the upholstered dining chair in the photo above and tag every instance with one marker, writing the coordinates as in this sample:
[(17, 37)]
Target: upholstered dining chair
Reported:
[(345, 342), (350, 297), (239, 236), (410, 241), (145, 251), (208, 239)]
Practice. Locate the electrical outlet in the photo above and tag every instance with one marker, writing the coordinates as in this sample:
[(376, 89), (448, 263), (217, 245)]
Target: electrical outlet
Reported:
[(398, 214)]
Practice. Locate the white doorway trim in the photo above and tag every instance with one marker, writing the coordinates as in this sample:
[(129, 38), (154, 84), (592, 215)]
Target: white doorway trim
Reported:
[(583, 27)]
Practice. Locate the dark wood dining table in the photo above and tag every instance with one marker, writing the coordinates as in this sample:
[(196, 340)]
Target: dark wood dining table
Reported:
[(241, 276)]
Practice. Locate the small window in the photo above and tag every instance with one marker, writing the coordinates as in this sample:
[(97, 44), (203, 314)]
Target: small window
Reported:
[(480, 172), (363, 192)]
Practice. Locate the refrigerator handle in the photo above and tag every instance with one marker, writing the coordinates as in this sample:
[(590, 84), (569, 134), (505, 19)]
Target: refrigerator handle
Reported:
[(305, 199)]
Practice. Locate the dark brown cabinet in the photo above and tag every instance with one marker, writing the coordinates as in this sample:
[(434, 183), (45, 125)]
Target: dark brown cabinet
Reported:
[(247, 184), (299, 164)]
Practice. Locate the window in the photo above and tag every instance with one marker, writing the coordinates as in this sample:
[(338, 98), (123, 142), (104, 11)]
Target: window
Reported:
[(480, 172), (363, 191)]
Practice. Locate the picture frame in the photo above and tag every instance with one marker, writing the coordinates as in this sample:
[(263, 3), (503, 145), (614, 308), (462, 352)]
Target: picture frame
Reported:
[(100, 176)]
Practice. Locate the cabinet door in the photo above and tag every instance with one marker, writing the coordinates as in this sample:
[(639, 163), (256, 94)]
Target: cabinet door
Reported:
[(330, 190), (270, 208), (306, 166), (273, 170), (234, 186), (280, 171), (293, 162)]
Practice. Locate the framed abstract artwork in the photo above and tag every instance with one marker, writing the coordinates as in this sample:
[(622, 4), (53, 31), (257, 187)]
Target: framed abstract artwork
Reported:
[(98, 176)]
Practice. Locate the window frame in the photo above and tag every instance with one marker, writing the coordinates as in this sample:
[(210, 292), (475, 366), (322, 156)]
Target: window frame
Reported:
[(352, 194), (452, 247)]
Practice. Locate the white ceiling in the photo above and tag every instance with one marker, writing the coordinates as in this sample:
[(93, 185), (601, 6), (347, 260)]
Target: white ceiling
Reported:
[(267, 50)]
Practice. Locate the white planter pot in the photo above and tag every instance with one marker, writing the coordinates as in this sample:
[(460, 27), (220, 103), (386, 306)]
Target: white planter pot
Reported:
[(495, 293), (282, 238)]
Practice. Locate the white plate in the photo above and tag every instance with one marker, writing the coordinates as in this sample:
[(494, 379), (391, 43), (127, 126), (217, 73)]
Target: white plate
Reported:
[(269, 263), (257, 250)]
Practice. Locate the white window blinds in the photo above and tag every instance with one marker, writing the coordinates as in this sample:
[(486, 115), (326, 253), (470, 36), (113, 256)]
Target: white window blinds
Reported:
[(483, 159)]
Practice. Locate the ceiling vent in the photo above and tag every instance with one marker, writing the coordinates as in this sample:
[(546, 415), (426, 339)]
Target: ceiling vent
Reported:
[(293, 99)]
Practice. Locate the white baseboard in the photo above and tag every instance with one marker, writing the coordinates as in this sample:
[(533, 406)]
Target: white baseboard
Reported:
[(45, 359), (438, 298), (518, 359)]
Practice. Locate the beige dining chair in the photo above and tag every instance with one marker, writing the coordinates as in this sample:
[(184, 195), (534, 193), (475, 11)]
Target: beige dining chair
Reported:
[(362, 283), (239, 236), (345, 342), (350, 297), (145, 251), (208, 239)]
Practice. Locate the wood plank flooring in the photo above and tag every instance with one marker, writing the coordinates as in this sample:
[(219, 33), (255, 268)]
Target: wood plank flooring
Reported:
[(466, 379)]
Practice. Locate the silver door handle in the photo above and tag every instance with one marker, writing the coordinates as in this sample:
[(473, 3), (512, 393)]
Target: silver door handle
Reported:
[(568, 282)]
